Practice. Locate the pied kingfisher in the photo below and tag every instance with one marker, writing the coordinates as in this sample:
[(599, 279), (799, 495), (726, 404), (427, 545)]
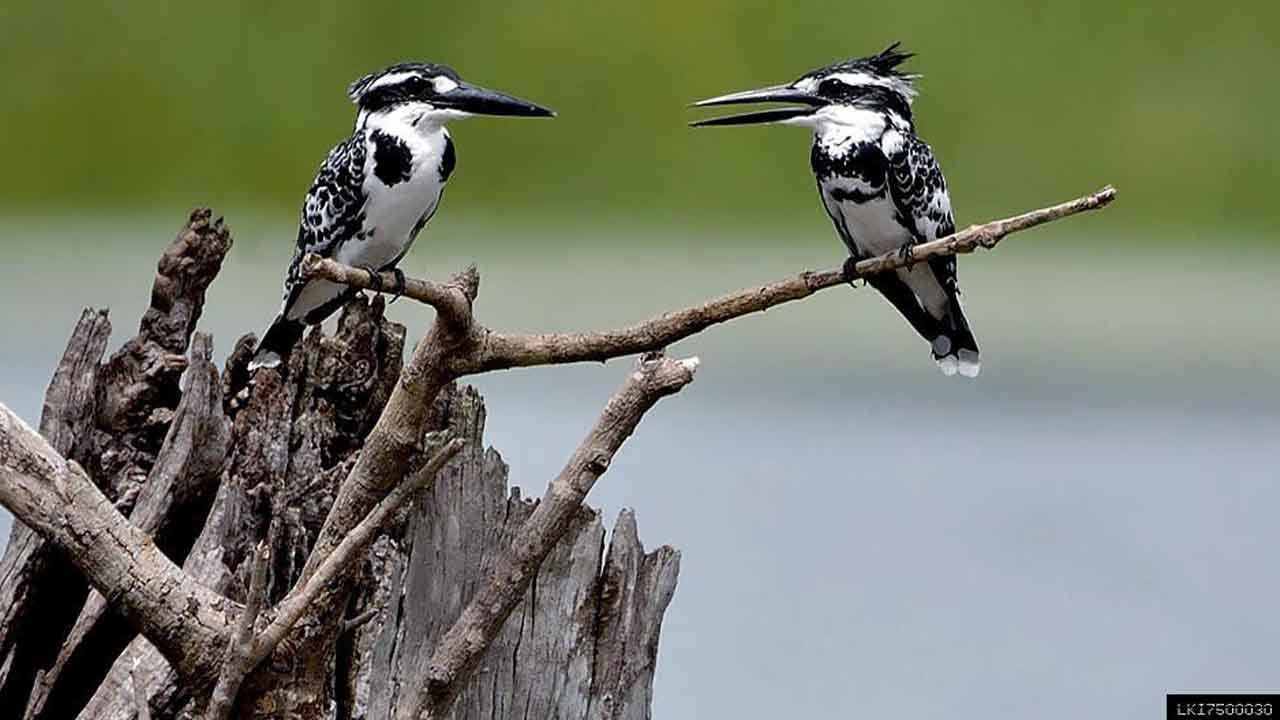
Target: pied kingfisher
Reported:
[(379, 187), (880, 184)]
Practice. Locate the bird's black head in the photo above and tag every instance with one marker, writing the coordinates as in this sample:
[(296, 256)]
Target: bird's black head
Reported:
[(872, 82), (437, 90)]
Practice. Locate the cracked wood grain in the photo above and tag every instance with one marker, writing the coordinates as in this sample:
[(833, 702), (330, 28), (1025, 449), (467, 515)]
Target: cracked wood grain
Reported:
[(56, 498), (440, 675)]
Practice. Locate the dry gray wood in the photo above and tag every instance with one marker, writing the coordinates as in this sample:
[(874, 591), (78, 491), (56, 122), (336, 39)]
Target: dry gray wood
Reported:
[(440, 675), (111, 418), (138, 387), (178, 491), (634, 593), (349, 551), (139, 693), (56, 498), (541, 663), (240, 651), (295, 435), (38, 590)]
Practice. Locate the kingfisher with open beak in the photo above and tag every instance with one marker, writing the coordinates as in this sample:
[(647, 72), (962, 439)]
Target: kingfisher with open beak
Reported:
[(879, 183)]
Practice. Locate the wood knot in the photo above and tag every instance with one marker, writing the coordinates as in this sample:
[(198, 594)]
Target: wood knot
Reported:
[(599, 462)]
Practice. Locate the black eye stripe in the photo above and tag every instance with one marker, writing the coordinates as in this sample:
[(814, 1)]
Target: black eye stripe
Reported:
[(388, 95)]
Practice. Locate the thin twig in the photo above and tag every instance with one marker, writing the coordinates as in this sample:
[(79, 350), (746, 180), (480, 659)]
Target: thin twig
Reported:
[(348, 552), (496, 351), (439, 676), (452, 299), (240, 651), (520, 350)]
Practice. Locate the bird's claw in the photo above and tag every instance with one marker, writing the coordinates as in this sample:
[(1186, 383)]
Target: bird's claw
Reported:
[(905, 253), (398, 289), (850, 270), (375, 278)]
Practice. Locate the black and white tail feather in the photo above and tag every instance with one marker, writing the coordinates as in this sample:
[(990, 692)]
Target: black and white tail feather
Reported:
[(879, 183), (277, 342)]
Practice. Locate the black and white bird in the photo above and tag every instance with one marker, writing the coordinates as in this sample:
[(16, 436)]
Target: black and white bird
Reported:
[(880, 183), (379, 187)]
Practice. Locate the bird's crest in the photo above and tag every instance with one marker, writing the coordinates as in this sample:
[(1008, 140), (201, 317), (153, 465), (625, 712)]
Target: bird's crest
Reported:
[(884, 63)]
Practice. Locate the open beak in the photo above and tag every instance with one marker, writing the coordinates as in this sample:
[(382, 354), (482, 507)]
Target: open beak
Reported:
[(774, 94), (476, 100)]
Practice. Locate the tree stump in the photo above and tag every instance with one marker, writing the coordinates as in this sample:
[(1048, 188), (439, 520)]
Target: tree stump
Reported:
[(211, 467)]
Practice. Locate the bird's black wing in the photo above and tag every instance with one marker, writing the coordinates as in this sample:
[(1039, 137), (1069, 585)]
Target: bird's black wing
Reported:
[(919, 192), (920, 196), (333, 211), (869, 163)]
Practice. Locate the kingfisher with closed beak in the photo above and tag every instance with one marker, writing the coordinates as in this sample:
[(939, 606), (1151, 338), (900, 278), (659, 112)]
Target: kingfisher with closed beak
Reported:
[(879, 183), (379, 187)]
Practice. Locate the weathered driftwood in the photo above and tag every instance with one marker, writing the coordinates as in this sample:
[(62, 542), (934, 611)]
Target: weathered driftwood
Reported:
[(111, 418), (176, 494), (470, 603), (574, 618), (243, 464)]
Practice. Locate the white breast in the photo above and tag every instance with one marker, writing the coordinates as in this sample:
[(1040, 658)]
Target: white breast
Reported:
[(873, 226), (392, 211)]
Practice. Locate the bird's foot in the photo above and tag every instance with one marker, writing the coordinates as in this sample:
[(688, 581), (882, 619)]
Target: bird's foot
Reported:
[(850, 270), (375, 278), (904, 252), (397, 290)]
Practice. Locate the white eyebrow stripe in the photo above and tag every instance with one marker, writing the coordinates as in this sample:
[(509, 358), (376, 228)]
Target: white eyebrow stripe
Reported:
[(893, 83), (392, 79), (444, 84)]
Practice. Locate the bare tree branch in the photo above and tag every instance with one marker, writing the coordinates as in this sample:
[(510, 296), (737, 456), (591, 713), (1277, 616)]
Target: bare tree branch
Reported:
[(438, 677), (55, 497), (247, 648), (496, 351), (396, 438), (452, 299), (240, 649), (348, 553), (185, 476)]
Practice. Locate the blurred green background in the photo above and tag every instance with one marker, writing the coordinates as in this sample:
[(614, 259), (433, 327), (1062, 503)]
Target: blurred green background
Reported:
[(1088, 524), (146, 104)]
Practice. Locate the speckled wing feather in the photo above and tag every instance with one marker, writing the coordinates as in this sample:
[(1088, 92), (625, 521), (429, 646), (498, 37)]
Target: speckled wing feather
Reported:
[(333, 211), (919, 193)]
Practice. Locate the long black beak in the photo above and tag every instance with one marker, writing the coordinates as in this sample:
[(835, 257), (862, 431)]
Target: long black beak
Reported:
[(482, 101), (774, 94)]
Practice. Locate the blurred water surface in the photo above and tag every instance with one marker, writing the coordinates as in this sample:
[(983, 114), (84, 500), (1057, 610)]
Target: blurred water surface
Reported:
[(1088, 525)]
